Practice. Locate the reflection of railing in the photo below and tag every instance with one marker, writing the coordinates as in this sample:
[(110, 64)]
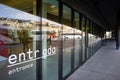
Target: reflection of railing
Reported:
[(71, 36)]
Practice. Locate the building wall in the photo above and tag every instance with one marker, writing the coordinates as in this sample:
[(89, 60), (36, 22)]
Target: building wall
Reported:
[(50, 46)]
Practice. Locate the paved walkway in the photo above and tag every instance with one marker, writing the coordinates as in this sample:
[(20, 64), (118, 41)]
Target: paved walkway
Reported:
[(104, 65)]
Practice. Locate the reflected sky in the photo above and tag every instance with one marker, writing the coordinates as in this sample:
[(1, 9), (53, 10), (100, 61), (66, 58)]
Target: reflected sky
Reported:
[(6, 11)]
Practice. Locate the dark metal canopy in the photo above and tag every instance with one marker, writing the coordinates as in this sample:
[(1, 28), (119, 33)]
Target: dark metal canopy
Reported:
[(103, 12)]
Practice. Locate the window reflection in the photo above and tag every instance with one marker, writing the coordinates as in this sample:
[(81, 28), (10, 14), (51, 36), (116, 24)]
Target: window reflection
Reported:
[(50, 10), (83, 39), (51, 37), (24, 5), (77, 40), (68, 37), (66, 15), (16, 37)]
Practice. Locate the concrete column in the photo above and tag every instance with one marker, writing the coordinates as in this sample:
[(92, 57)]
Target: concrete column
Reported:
[(117, 31)]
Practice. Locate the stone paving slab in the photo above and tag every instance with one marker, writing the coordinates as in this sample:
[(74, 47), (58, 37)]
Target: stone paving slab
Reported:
[(104, 65)]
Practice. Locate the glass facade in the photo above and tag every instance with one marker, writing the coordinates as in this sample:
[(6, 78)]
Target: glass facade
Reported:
[(45, 40), (77, 40), (17, 41), (67, 40), (51, 32), (83, 24)]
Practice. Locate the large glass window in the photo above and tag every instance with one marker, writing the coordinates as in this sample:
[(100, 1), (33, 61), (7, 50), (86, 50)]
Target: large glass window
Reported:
[(31, 44), (77, 40), (68, 36), (90, 40), (50, 10), (83, 39), (17, 41), (87, 39), (51, 34)]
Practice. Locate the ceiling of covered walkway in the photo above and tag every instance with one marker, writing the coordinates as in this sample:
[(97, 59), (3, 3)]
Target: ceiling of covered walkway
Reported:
[(103, 12)]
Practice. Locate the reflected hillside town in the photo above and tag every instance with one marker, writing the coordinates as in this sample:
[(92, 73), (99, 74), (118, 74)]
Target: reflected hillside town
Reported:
[(28, 39), (15, 37)]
